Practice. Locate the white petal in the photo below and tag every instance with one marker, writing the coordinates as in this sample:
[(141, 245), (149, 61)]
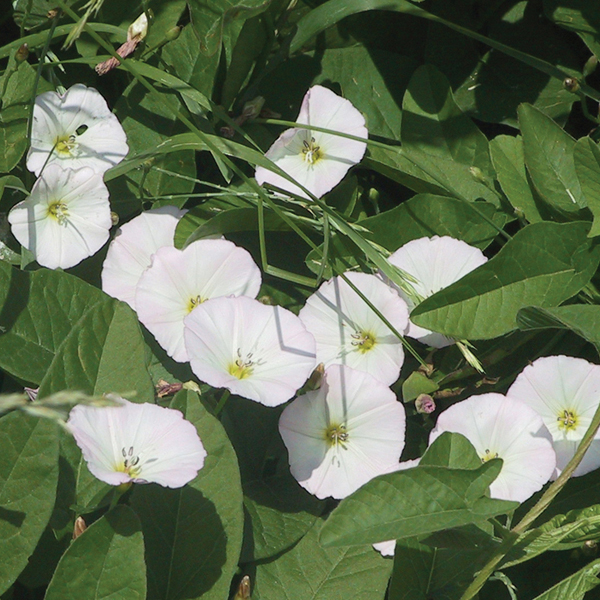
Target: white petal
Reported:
[(272, 341), (373, 420), (435, 263), (167, 446), (131, 250), (205, 269), (102, 145), (501, 426), (83, 231), (553, 384), (336, 313)]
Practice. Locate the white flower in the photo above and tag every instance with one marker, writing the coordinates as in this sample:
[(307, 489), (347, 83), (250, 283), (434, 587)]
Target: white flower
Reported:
[(500, 427), (318, 161), (260, 352), (180, 280), (75, 129), (66, 217), (435, 263), (565, 391), (131, 250), (349, 332), (345, 433), (141, 443)]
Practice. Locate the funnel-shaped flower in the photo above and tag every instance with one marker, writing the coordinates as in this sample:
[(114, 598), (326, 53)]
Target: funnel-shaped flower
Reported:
[(349, 332), (180, 280), (66, 217), (565, 391), (75, 129), (141, 443), (260, 352), (130, 253), (345, 433), (500, 427), (435, 263), (317, 160)]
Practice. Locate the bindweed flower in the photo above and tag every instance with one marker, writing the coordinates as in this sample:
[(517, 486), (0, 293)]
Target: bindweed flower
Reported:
[(259, 352), (435, 263), (317, 160), (565, 391), (75, 129), (343, 434), (139, 443), (349, 332), (501, 427), (180, 280), (130, 252), (65, 219)]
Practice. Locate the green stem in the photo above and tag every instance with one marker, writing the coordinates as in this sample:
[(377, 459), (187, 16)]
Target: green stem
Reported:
[(222, 402)]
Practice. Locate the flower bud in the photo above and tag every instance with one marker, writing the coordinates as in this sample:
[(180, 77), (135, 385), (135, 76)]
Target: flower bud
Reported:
[(139, 28), (78, 527), (425, 404), (571, 84), (252, 109), (22, 53), (590, 65), (173, 33)]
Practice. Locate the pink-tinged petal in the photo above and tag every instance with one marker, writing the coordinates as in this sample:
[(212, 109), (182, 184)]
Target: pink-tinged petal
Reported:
[(501, 427), (554, 384), (82, 116), (271, 346), (160, 445), (337, 316), (179, 280), (131, 250), (336, 154), (370, 423), (80, 232), (435, 263)]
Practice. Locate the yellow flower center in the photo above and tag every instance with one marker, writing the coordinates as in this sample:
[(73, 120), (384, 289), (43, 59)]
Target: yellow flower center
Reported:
[(65, 145), (130, 463), (336, 435), (193, 302), (312, 153), (241, 368), (363, 341), (59, 210), (567, 420), (488, 456)]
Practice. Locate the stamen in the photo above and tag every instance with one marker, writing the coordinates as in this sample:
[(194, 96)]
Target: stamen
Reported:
[(242, 367), (131, 463), (312, 152), (488, 456), (59, 210), (336, 435), (567, 420), (193, 302), (363, 341)]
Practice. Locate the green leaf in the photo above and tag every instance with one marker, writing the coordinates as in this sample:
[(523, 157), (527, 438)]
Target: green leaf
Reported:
[(194, 227), (587, 167), (421, 571), (432, 123), (222, 21), (509, 161), (587, 523), (583, 319), (414, 502), (544, 264), (451, 450), (415, 384), (90, 358), (193, 534), (39, 311), (106, 561), (280, 513), (28, 477), (580, 16), (311, 572), (575, 586), (548, 151)]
